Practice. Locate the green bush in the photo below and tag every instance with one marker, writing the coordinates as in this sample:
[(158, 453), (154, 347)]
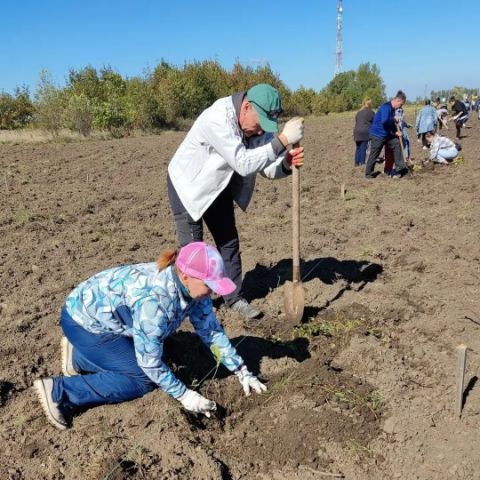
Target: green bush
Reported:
[(172, 96), (16, 111), (141, 107), (79, 114), (111, 116), (50, 105), (302, 101)]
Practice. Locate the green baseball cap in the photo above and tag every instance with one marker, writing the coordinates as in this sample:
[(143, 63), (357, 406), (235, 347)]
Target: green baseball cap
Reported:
[(266, 101)]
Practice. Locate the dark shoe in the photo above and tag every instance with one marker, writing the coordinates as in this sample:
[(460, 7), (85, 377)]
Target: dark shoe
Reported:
[(244, 308), (44, 387), (399, 174)]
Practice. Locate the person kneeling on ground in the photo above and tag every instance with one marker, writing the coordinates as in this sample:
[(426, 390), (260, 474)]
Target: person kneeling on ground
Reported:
[(115, 324), (442, 149)]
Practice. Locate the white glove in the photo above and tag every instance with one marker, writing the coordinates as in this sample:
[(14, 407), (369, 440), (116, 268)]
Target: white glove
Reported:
[(249, 381), (293, 130), (194, 402)]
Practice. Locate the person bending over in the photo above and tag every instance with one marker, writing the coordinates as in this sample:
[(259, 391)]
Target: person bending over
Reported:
[(442, 149), (217, 164)]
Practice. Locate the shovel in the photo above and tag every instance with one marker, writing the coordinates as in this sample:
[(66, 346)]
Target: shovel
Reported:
[(402, 149), (294, 293)]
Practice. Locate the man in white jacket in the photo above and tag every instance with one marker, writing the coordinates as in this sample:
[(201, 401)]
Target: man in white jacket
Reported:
[(216, 165)]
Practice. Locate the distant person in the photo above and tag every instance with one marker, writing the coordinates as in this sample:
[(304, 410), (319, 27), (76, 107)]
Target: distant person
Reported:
[(115, 324), (363, 122), (442, 113), (216, 165), (384, 132), (442, 149), (477, 107), (427, 120), (404, 126), (460, 115)]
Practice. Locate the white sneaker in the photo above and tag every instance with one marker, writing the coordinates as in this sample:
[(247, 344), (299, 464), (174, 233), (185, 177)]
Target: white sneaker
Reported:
[(44, 387), (67, 358)]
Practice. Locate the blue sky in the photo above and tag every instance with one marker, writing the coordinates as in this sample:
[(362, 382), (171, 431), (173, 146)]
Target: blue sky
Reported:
[(418, 44)]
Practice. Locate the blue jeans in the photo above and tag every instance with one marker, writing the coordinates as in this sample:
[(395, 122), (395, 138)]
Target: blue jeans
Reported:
[(361, 153), (112, 374)]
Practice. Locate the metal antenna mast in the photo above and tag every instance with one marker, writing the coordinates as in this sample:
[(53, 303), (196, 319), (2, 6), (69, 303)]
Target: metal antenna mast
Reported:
[(339, 54)]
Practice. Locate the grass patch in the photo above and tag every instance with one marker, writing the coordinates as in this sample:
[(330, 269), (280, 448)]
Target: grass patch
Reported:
[(373, 400), (327, 328)]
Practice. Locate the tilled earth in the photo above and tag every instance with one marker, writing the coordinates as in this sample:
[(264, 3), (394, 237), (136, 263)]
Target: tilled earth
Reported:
[(364, 388)]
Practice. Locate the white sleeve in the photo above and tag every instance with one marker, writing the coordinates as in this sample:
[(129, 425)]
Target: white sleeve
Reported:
[(228, 144)]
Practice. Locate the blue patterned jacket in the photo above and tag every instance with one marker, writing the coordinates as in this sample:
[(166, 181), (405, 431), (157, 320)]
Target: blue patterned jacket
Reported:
[(148, 304)]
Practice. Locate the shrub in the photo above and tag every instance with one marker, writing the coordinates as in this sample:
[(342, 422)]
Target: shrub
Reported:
[(50, 105), (16, 111), (112, 116), (79, 114)]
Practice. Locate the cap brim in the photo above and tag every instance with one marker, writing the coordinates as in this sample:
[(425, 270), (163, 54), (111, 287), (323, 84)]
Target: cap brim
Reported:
[(224, 286), (268, 125)]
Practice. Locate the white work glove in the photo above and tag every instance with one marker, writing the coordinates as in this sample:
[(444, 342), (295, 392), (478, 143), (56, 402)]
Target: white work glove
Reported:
[(293, 130), (249, 381), (194, 402)]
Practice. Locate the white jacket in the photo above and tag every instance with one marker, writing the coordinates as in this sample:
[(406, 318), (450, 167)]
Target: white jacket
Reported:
[(440, 143), (211, 152)]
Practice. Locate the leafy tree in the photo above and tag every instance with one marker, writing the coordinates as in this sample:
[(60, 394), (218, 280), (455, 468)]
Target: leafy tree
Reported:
[(302, 101), (79, 114), (16, 111), (50, 104)]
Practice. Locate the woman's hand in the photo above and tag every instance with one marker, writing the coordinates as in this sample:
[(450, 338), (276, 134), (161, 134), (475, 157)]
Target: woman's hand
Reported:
[(194, 402), (249, 381)]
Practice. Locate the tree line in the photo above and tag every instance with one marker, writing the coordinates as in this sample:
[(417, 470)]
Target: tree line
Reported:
[(102, 99)]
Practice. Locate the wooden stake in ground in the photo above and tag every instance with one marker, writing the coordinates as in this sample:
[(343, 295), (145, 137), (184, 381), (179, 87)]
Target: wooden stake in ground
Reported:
[(462, 360)]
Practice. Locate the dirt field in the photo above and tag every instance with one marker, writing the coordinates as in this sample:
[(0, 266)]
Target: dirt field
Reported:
[(364, 388)]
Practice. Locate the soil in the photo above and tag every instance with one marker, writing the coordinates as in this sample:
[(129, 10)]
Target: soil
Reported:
[(364, 388)]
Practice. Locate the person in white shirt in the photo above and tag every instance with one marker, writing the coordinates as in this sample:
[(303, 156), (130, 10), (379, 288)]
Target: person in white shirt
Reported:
[(216, 165), (442, 149)]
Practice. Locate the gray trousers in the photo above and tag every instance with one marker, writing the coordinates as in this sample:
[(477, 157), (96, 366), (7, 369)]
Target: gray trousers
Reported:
[(220, 221), (376, 145)]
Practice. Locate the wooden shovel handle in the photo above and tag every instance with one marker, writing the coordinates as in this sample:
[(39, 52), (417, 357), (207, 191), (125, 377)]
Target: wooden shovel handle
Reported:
[(296, 220), (400, 140)]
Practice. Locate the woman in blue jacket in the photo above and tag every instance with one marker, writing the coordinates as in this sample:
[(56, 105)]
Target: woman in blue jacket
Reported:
[(115, 324), (427, 120)]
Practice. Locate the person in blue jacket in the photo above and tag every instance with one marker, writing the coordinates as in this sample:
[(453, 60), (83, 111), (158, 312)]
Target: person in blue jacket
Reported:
[(115, 324), (384, 132), (427, 121)]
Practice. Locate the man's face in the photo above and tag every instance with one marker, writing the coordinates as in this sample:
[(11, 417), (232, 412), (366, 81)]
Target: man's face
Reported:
[(248, 120), (397, 103)]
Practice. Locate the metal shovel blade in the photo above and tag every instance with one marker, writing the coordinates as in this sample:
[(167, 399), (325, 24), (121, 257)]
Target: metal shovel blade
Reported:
[(294, 302)]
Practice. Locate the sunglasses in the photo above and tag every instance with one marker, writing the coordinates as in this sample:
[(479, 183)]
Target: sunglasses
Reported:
[(273, 114)]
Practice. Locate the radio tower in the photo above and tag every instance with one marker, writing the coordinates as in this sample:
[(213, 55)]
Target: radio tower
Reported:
[(338, 63)]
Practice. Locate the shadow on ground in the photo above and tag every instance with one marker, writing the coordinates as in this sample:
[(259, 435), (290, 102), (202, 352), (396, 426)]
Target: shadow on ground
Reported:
[(261, 280), (192, 361)]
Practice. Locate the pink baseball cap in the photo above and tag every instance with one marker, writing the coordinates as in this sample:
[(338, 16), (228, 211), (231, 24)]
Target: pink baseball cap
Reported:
[(204, 262)]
